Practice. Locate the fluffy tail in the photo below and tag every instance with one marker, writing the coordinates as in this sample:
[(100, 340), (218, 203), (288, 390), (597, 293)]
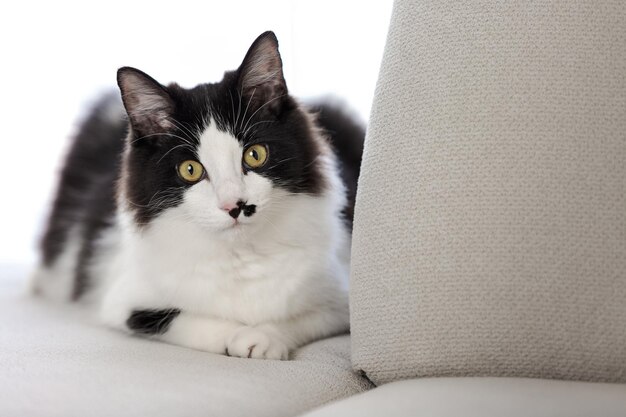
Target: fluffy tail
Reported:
[(346, 134), (84, 198)]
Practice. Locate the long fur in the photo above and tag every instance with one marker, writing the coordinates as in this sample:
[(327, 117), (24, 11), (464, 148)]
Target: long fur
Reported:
[(162, 257)]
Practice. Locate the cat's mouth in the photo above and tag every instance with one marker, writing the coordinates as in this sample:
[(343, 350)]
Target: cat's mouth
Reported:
[(237, 224), (240, 214)]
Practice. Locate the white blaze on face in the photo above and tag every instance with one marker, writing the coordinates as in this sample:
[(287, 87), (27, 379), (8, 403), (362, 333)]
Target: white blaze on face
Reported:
[(221, 155)]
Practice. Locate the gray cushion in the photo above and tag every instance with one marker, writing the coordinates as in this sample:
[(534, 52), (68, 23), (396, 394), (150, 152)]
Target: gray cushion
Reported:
[(490, 228), (54, 361), (483, 397)]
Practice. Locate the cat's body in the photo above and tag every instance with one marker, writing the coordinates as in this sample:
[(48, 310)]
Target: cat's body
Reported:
[(220, 223)]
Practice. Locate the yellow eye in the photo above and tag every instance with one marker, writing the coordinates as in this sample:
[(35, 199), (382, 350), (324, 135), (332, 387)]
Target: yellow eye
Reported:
[(191, 171), (255, 156)]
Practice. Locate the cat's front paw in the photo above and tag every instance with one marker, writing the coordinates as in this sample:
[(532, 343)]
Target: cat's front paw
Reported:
[(249, 342)]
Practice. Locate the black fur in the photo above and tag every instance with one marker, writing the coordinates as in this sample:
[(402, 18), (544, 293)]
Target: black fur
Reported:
[(85, 199), (346, 133), (249, 209), (151, 322), (252, 114), (93, 169)]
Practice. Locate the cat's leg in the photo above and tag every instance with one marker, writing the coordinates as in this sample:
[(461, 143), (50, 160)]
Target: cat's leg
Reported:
[(264, 341), (206, 333), (200, 332), (274, 340), (271, 340), (133, 306)]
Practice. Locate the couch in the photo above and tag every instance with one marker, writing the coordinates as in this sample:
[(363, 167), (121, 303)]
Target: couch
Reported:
[(489, 248)]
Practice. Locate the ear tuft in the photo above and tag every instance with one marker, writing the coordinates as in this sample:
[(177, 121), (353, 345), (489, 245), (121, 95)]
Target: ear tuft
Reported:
[(148, 104), (261, 77)]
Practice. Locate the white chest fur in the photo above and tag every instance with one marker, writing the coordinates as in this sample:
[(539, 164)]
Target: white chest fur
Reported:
[(290, 266)]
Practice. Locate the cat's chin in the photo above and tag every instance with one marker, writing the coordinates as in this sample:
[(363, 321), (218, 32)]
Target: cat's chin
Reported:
[(233, 228), (233, 233)]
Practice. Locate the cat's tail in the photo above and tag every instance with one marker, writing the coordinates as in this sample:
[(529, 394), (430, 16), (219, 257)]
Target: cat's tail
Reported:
[(346, 133), (84, 180)]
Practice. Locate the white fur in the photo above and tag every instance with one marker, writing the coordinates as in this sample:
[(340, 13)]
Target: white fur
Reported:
[(256, 287), (56, 281)]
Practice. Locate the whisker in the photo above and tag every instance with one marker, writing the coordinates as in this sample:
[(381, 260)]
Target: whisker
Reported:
[(185, 129), (232, 105), (266, 103), (183, 145), (248, 105), (281, 162), (250, 129), (238, 108), (159, 134)]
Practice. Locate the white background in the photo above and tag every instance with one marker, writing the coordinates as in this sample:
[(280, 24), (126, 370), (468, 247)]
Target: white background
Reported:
[(58, 56)]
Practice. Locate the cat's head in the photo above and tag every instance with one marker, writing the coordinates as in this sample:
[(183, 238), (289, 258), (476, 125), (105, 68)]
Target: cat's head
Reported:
[(219, 154)]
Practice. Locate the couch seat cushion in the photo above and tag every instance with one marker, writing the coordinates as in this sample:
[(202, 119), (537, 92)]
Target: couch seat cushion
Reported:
[(483, 397), (57, 361)]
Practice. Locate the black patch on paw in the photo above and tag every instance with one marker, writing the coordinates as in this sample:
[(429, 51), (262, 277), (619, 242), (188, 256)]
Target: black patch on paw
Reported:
[(151, 321)]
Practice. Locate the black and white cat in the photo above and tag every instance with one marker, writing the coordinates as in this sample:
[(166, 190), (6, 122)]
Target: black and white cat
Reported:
[(216, 218)]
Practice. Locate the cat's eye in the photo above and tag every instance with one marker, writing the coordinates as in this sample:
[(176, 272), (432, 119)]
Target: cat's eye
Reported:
[(191, 171), (255, 156)]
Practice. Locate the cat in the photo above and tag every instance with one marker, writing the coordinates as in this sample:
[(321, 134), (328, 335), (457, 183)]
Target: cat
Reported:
[(216, 218)]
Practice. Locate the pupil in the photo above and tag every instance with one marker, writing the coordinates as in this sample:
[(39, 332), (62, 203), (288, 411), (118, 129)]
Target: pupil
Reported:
[(255, 154), (190, 169)]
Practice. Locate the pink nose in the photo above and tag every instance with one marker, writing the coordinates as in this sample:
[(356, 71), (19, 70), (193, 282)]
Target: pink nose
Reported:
[(233, 209), (229, 206)]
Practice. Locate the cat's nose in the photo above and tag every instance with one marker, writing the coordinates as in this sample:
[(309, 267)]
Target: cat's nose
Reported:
[(234, 213), (233, 209)]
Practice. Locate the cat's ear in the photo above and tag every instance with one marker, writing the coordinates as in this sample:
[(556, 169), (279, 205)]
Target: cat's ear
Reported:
[(148, 104), (261, 79)]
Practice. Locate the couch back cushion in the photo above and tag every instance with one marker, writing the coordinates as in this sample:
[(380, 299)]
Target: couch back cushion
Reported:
[(490, 227)]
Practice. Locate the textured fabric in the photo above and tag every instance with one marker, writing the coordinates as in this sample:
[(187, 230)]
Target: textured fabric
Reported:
[(55, 362), (490, 228), (483, 397)]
